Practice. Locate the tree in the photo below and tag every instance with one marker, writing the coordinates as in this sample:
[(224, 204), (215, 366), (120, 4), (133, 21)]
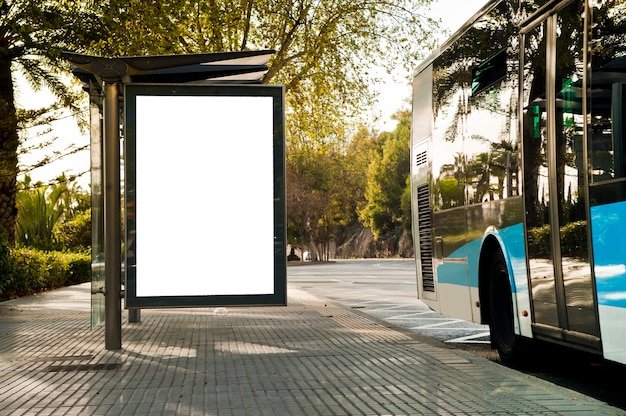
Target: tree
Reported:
[(324, 49), (360, 150), (314, 197), (387, 179), (324, 52), (32, 36)]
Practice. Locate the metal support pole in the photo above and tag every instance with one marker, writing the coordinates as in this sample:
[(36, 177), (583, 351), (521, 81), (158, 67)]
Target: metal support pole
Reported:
[(112, 223), (134, 315)]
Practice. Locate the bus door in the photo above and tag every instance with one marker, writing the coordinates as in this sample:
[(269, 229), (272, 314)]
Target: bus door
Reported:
[(555, 182)]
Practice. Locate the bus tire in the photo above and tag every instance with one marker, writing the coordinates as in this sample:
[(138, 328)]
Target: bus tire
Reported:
[(501, 325)]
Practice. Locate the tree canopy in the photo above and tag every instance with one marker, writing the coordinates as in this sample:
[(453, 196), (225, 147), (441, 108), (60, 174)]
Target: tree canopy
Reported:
[(325, 50), (387, 176)]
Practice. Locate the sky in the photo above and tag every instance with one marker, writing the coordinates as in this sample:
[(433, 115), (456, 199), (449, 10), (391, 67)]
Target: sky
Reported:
[(394, 95)]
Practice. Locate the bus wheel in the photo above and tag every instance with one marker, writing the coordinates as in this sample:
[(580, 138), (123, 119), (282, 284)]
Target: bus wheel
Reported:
[(501, 323)]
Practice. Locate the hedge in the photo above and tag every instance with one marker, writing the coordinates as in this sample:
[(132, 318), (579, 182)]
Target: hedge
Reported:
[(573, 240), (25, 271)]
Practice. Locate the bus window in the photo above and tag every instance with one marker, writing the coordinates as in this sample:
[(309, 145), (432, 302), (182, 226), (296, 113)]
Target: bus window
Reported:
[(487, 74), (536, 173), (450, 93), (606, 92), (491, 144), (607, 150), (571, 215)]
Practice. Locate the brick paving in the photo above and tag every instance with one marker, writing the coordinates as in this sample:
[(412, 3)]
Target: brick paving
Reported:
[(309, 358)]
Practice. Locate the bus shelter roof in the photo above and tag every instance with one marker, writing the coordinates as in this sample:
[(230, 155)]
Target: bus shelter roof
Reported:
[(240, 67)]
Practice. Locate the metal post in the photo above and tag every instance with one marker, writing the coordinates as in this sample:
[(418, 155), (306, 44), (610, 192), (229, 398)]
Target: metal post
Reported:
[(112, 223), (134, 315)]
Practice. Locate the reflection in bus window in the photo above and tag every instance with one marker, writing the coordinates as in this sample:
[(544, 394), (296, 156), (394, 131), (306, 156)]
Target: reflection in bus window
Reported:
[(474, 87), (607, 154), (451, 91), (574, 265), (536, 173), (492, 165)]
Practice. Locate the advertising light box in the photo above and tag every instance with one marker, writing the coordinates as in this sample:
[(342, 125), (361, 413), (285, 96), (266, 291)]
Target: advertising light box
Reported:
[(204, 195)]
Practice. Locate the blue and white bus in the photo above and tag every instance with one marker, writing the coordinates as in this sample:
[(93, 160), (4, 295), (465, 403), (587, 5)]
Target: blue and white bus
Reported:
[(518, 175)]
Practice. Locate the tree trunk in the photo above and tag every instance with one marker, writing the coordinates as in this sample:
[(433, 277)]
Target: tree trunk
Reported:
[(8, 153)]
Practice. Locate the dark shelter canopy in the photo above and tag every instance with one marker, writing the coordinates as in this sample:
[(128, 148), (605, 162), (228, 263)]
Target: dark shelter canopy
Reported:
[(240, 67)]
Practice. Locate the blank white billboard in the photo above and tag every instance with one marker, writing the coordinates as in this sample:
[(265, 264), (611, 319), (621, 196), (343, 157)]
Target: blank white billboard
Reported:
[(202, 196)]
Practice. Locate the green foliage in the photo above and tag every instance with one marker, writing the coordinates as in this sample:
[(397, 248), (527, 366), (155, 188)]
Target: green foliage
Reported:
[(324, 54), (324, 49), (317, 193), (39, 210), (331, 186), (573, 240), (33, 34), (387, 180), (75, 234), (31, 271), (539, 242), (405, 207), (7, 268), (53, 217), (450, 191)]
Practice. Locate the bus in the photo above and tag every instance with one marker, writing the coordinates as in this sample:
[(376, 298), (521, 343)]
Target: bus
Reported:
[(518, 175)]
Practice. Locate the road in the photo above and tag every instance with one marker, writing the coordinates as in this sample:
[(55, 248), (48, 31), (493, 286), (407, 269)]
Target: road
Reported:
[(387, 291)]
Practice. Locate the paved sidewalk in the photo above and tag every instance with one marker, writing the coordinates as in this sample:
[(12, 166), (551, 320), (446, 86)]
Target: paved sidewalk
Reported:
[(309, 358)]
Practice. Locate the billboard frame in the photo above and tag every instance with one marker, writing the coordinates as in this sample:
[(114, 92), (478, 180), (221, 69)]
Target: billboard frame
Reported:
[(278, 295)]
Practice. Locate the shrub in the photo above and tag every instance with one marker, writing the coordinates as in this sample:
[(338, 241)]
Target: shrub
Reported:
[(574, 239), (7, 267), (75, 234), (539, 242), (31, 271)]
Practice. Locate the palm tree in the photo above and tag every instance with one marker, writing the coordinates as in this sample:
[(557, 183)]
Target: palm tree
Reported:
[(32, 36)]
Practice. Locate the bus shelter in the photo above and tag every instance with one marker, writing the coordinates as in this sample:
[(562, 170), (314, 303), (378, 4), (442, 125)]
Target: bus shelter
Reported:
[(202, 183)]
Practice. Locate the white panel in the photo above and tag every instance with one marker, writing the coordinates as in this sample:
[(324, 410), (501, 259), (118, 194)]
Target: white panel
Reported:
[(455, 301), (613, 332), (422, 122), (204, 197)]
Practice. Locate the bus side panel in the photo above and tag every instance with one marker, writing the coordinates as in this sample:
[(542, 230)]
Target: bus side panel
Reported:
[(457, 278), (502, 220), (608, 228), (421, 210), (513, 247), (450, 264), (455, 301)]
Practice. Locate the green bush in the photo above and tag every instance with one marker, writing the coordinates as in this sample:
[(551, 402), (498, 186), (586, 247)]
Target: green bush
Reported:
[(539, 242), (573, 240), (7, 268), (30, 271), (76, 233)]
